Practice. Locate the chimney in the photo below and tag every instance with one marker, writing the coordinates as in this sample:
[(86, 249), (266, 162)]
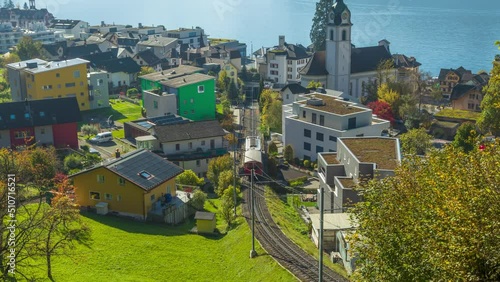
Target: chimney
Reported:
[(386, 44), (117, 153), (102, 23), (140, 25), (282, 41)]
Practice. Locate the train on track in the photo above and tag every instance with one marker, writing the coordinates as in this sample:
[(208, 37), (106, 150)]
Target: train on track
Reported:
[(253, 156)]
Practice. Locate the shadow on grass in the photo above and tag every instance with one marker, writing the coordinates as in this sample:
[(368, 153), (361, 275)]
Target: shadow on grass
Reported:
[(149, 228)]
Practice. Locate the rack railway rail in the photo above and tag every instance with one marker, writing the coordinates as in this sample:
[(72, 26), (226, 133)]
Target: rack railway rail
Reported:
[(278, 245)]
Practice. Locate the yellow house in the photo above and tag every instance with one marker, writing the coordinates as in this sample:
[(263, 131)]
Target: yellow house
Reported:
[(130, 185), (232, 72), (58, 79), (205, 222)]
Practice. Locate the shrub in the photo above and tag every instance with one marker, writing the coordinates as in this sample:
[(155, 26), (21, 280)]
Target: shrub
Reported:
[(307, 163)]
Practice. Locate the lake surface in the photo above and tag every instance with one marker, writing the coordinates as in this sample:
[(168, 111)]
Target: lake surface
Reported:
[(439, 33)]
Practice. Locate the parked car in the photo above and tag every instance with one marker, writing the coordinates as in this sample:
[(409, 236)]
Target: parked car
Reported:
[(102, 137)]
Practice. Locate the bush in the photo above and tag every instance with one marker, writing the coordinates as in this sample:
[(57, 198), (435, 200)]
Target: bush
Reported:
[(73, 162), (307, 163), (198, 200), (132, 92)]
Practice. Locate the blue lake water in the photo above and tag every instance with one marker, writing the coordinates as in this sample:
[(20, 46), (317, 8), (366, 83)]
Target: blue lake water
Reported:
[(439, 33)]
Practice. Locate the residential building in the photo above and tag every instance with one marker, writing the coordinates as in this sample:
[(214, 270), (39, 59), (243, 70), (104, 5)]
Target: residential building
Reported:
[(130, 185), (122, 71), (314, 124), (45, 80), (194, 37), (449, 78), (147, 58), (145, 31), (407, 67), (291, 93), (22, 18), (333, 223), (162, 46), (191, 145), (357, 160), (285, 61), (9, 36), (194, 93), (44, 122), (469, 95), (98, 89), (101, 41), (71, 29), (104, 28), (230, 45)]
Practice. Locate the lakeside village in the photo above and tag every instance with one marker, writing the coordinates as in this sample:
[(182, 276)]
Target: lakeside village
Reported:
[(163, 128)]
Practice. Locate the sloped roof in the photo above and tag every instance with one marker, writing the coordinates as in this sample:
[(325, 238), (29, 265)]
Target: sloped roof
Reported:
[(316, 66), (368, 58), (188, 131), (461, 72), (126, 65), (204, 215), (171, 73), (460, 90), (143, 168), (82, 50), (64, 24), (149, 57), (295, 88), (157, 41), (39, 113), (402, 61), (296, 52)]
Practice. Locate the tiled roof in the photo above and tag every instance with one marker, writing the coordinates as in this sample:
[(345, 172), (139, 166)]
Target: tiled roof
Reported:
[(149, 57), (157, 41), (295, 88), (126, 65), (188, 131), (460, 90), (402, 61), (143, 168), (368, 58), (316, 66), (39, 113)]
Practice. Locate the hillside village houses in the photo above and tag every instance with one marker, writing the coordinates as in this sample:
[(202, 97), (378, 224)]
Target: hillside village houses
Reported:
[(463, 88)]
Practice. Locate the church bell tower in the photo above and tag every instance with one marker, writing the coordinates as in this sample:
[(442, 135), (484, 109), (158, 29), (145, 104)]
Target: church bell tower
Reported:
[(338, 48)]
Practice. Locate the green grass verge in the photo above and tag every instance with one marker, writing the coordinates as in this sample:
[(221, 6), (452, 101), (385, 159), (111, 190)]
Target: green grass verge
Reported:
[(295, 228), (121, 111), (125, 250), (460, 114), (219, 109)]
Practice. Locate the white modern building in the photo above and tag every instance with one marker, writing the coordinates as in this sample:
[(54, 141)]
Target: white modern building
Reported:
[(357, 160), (194, 37), (98, 89), (71, 29), (39, 32), (314, 124), (9, 37)]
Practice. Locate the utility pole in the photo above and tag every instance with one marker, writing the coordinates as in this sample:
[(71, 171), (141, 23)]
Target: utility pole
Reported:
[(234, 171), (252, 200), (321, 216)]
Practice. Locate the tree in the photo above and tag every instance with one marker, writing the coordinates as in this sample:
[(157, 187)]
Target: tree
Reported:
[(146, 70), (435, 220), (272, 149), (391, 97), (320, 24), (489, 120), (73, 162), (198, 200), (28, 49), (272, 116), (62, 226), (25, 6), (227, 205), (314, 84), (466, 138), (223, 81), (216, 166), (226, 178), (233, 92), (382, 110), (8, 4), (188, 177), (288, 153), (89, 130), (416, 141), (244, 75)]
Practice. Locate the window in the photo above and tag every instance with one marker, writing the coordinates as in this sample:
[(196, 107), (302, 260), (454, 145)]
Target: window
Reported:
[(304, 114), (95, 195), (59, 86), (42, 114), (201, 89), (12, 116), (333, 138), (319, 136), (42, 131), (72, 84), (22, 134), (212, 144), (360, 135), (192, 112), (344, 35), (192, 100), (198, 163), (314, 118), (319, 149), (81, 93), (470, 106), (331, 35), (108, 197), (82, 104), (177, 147), (58, 75), (352, 123), (121, 181), (100, 178), (307, 133), (203, 143), (27, 115), (146, 175), (118, 198), (190, 145), (155, 104), (321, 120), (307, 146), (76, 74), (81, 83), (153, 197)]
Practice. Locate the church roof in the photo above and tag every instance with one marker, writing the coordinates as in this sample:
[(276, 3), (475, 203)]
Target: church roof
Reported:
[(316, 66), (368, 58)]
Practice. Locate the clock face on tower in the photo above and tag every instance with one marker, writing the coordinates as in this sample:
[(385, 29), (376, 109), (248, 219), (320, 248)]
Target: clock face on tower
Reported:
[(332, 16), (345, 16)]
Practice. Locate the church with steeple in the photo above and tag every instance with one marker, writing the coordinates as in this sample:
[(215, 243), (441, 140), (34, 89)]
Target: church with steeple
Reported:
[(342, 66)]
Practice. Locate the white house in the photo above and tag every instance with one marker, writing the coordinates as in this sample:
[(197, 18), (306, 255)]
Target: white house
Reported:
[(161, 46), (194, 37), (292, 93), (313, 125), (357, 160), (72, 29), (9, 37)]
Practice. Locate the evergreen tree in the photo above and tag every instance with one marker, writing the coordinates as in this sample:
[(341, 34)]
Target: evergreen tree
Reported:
[(25, 6), (319, 26)]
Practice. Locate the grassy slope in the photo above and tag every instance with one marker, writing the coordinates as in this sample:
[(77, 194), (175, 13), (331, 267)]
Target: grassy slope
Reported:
[(125, 250), (296, 229)]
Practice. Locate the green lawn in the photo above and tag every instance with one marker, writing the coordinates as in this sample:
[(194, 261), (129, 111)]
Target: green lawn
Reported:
[(125, 250), (295, 228), (121, 111), (461, 114)]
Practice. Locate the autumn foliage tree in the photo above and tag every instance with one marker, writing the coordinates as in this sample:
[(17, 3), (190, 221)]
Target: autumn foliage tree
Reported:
[(382, 110), (435, 220), (490, 106)]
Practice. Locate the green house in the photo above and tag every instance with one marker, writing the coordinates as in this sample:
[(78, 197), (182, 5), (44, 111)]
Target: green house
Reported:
[(194, 92)]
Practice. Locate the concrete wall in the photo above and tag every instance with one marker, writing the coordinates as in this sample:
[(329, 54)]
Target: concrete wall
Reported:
[(44, 135), (159, 105), (4, 138), (99, 82)]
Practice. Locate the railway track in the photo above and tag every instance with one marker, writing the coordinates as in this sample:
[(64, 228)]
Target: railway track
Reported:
[(277, 244)]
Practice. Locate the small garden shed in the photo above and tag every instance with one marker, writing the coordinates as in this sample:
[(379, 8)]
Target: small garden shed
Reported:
[(205, 222)]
